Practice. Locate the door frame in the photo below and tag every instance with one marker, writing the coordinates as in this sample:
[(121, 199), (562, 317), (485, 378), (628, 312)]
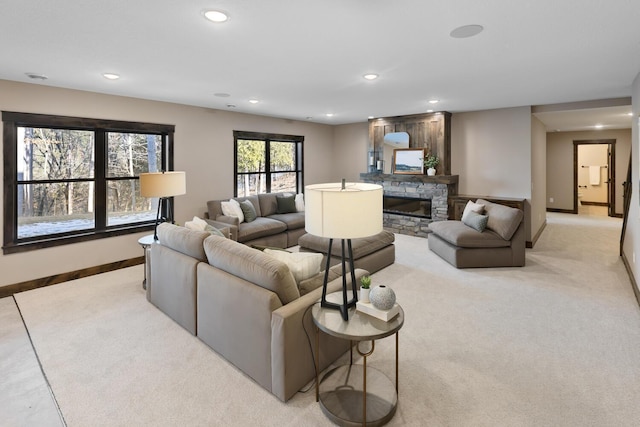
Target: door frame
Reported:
[(611, 172)]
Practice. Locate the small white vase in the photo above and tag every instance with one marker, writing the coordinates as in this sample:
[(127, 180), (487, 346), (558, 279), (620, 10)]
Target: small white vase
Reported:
[(364, 294), (431, 171)]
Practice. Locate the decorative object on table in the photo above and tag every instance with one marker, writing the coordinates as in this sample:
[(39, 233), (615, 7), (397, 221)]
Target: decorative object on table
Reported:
[(365, 283), (163, 185), (343, 211), (386, 315), (382, 297), (430, 162), (408, 161)]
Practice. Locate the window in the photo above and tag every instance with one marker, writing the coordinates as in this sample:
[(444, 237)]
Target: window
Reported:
[(267, 163), (71, 179)]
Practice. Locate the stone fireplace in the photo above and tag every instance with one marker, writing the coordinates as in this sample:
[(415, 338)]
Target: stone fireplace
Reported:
[(414, 193)]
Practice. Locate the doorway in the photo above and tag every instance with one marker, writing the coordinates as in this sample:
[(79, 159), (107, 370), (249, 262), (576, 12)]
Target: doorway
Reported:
[(594, 175)]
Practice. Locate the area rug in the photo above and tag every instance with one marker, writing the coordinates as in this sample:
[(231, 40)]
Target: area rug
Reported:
[(554, 343)]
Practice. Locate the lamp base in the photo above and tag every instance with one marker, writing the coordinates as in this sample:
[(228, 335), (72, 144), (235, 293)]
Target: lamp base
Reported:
[(346, 303)]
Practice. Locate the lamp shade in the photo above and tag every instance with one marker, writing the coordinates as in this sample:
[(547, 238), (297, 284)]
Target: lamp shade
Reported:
[(343, 213), (162, 184)]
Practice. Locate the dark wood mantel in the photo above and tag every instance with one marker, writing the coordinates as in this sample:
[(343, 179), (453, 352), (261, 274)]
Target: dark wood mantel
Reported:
[(436, 179)]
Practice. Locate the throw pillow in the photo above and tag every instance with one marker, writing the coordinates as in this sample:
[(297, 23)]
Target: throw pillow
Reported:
[(299, 200), (248, 210), (286, 204), (302, 265), (476, 221), (232, 208), (214, 231), (200, 222), (472, 207)]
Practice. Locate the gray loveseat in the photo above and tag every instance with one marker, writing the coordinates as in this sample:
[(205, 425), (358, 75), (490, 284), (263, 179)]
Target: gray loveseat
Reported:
[(243, 303), (500, 244), (270, 227)]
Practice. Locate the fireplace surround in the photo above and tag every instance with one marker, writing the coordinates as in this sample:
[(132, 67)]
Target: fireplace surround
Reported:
[(437, 189)]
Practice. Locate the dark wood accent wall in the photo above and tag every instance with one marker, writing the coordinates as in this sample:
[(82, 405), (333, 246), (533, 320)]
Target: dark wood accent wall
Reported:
[(431, 131), (9, 290)]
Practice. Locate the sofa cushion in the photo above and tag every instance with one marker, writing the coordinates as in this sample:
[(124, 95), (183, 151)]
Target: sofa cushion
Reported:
[(504, 220), (475, 220), (248, 210), (183, 240), (292, 220), (361, 247), (253, 266), (286, 204), (316, 281), (260, 227), (303, 265), (268, 203), (458, 234)]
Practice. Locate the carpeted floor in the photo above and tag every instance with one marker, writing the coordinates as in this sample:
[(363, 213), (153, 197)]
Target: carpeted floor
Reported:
[(556, 343)]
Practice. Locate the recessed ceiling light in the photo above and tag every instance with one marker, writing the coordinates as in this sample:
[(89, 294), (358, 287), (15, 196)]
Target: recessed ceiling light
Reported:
[(629, 114), (599, 126), (370, 117), (216, 16), (329, 114), (36, 76), (253, 101), (434, 101), (429, 111), (111, 76), (466, 31), (371, 76)]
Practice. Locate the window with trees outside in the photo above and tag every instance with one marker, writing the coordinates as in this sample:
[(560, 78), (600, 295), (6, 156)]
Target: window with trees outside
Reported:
[(267, 163), (69, 179)]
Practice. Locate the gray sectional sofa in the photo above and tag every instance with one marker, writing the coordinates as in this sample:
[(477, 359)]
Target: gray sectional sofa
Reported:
[(499, 243), (243, 303), (271, 227)]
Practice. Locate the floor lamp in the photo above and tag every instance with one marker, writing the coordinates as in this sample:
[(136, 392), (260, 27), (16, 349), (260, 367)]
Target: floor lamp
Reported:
[(162, 185), (343, 211)]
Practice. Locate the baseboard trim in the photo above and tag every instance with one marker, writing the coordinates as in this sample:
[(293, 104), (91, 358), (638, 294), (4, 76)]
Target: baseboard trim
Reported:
[(533, 241), (9, 290), (634, 284), (569, 211)]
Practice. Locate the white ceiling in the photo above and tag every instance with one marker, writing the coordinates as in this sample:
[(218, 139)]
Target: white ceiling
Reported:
[(303, 59)]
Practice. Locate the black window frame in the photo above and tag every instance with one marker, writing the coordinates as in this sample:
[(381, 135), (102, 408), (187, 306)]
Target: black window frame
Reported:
[(298, 140), (101, 127)]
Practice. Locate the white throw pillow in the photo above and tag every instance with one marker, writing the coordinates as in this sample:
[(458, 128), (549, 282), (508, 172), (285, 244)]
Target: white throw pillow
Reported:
[(300, 202), (200, 222), (472, 207), (232, 208), (302, 265)]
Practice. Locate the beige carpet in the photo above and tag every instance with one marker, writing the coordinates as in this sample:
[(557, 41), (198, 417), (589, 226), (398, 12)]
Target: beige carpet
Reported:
[(556, 343)]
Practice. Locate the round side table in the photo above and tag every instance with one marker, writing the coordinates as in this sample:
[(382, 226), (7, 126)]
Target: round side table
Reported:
[(145, 242), (353, 395)]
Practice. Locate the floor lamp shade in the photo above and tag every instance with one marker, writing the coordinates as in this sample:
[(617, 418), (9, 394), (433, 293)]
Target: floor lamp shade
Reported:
[(163, 184), (343, 211), (349, 213)]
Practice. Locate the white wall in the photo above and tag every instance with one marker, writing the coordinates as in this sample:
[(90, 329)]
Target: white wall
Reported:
[(538, 210), (491, 151), (352, 143), (631, 246), (203, 148)]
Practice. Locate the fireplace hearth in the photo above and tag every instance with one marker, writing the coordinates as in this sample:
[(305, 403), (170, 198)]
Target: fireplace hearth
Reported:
[(408, 206)]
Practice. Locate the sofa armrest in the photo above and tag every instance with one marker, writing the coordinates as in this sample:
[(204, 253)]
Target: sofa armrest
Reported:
[(293, 338), (231, 220)]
